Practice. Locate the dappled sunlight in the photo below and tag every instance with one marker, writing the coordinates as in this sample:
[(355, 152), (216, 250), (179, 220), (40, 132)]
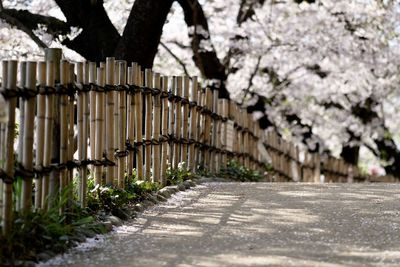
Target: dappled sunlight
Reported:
[(264, 225)]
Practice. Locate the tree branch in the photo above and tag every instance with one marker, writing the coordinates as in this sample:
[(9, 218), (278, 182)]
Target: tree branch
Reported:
[(31, 21), (16, 22), (253, 74), (205, 58), (180, 62)]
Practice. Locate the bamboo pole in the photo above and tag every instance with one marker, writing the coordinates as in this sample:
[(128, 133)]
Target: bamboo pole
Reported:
[(139, 127), (22, 83), (207, 126), (171, 127), (10, 80), (29, 118), (218, 136), (193, 126), (116, 122), (225, 114), (148, 122), (178, 122), (317, 168), (92, 114), (110, 141), (214, 126), (41, 118), (185, 120), (3, 125), (156, 130), (164, 131), (200, 126), (64, 69), (82, 135), (99, 120), (21, 127), (71, 123), (48, 187), (130, 119), (55, 55), (122, 123)]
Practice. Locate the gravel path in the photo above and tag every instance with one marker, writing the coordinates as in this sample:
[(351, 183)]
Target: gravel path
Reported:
[(257, 224)]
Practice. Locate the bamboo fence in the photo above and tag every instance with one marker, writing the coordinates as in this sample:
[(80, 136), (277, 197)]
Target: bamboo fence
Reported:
[(113, 118)]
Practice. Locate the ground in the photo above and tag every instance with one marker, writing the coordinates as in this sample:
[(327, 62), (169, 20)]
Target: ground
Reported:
[(257, 224)]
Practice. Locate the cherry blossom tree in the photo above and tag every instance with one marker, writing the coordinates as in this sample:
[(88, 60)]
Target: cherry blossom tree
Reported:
[(323, 73)]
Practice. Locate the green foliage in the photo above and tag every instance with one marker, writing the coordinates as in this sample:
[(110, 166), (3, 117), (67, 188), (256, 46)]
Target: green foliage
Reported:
[(179, 175), (203, 172), (238, 172), (107, 198), (37, 231)]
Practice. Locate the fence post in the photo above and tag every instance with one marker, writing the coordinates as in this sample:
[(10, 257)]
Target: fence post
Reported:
[(225, 114), (82, 133), (98, 130), (29, 118), (193, 125), (185, 120), (110, 102), (139, 125), (130, 126), (178, 123), (41, 110), (207, 126), (200, 126), (156, 130), (148, 122), (317, 168), (10, 83), (121, 152), (48, 185), (164, 130), (64, 76)]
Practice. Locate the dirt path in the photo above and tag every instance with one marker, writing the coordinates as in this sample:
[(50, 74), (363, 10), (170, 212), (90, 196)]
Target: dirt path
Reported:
[(257, 224)]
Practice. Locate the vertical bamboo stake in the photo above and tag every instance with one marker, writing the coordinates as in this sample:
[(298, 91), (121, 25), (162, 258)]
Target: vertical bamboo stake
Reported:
[(130, 119), (29, 118), (99, 120), (148, 122), (41, 118), (156, 130), (122, 123), (218, 136), (48, 187), (10, 80), (171, 128), (193, 125), (71, 122), (92, 112), (225, 111), (164, 131), (22, 83), (207, 126), (199, 130), (21, 126), (139, 127), (317, 168), (178, 122), (110, 140), (214, 123), (54, 55), (3, 126), (185, 119), (64, 69), (81, 103)]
